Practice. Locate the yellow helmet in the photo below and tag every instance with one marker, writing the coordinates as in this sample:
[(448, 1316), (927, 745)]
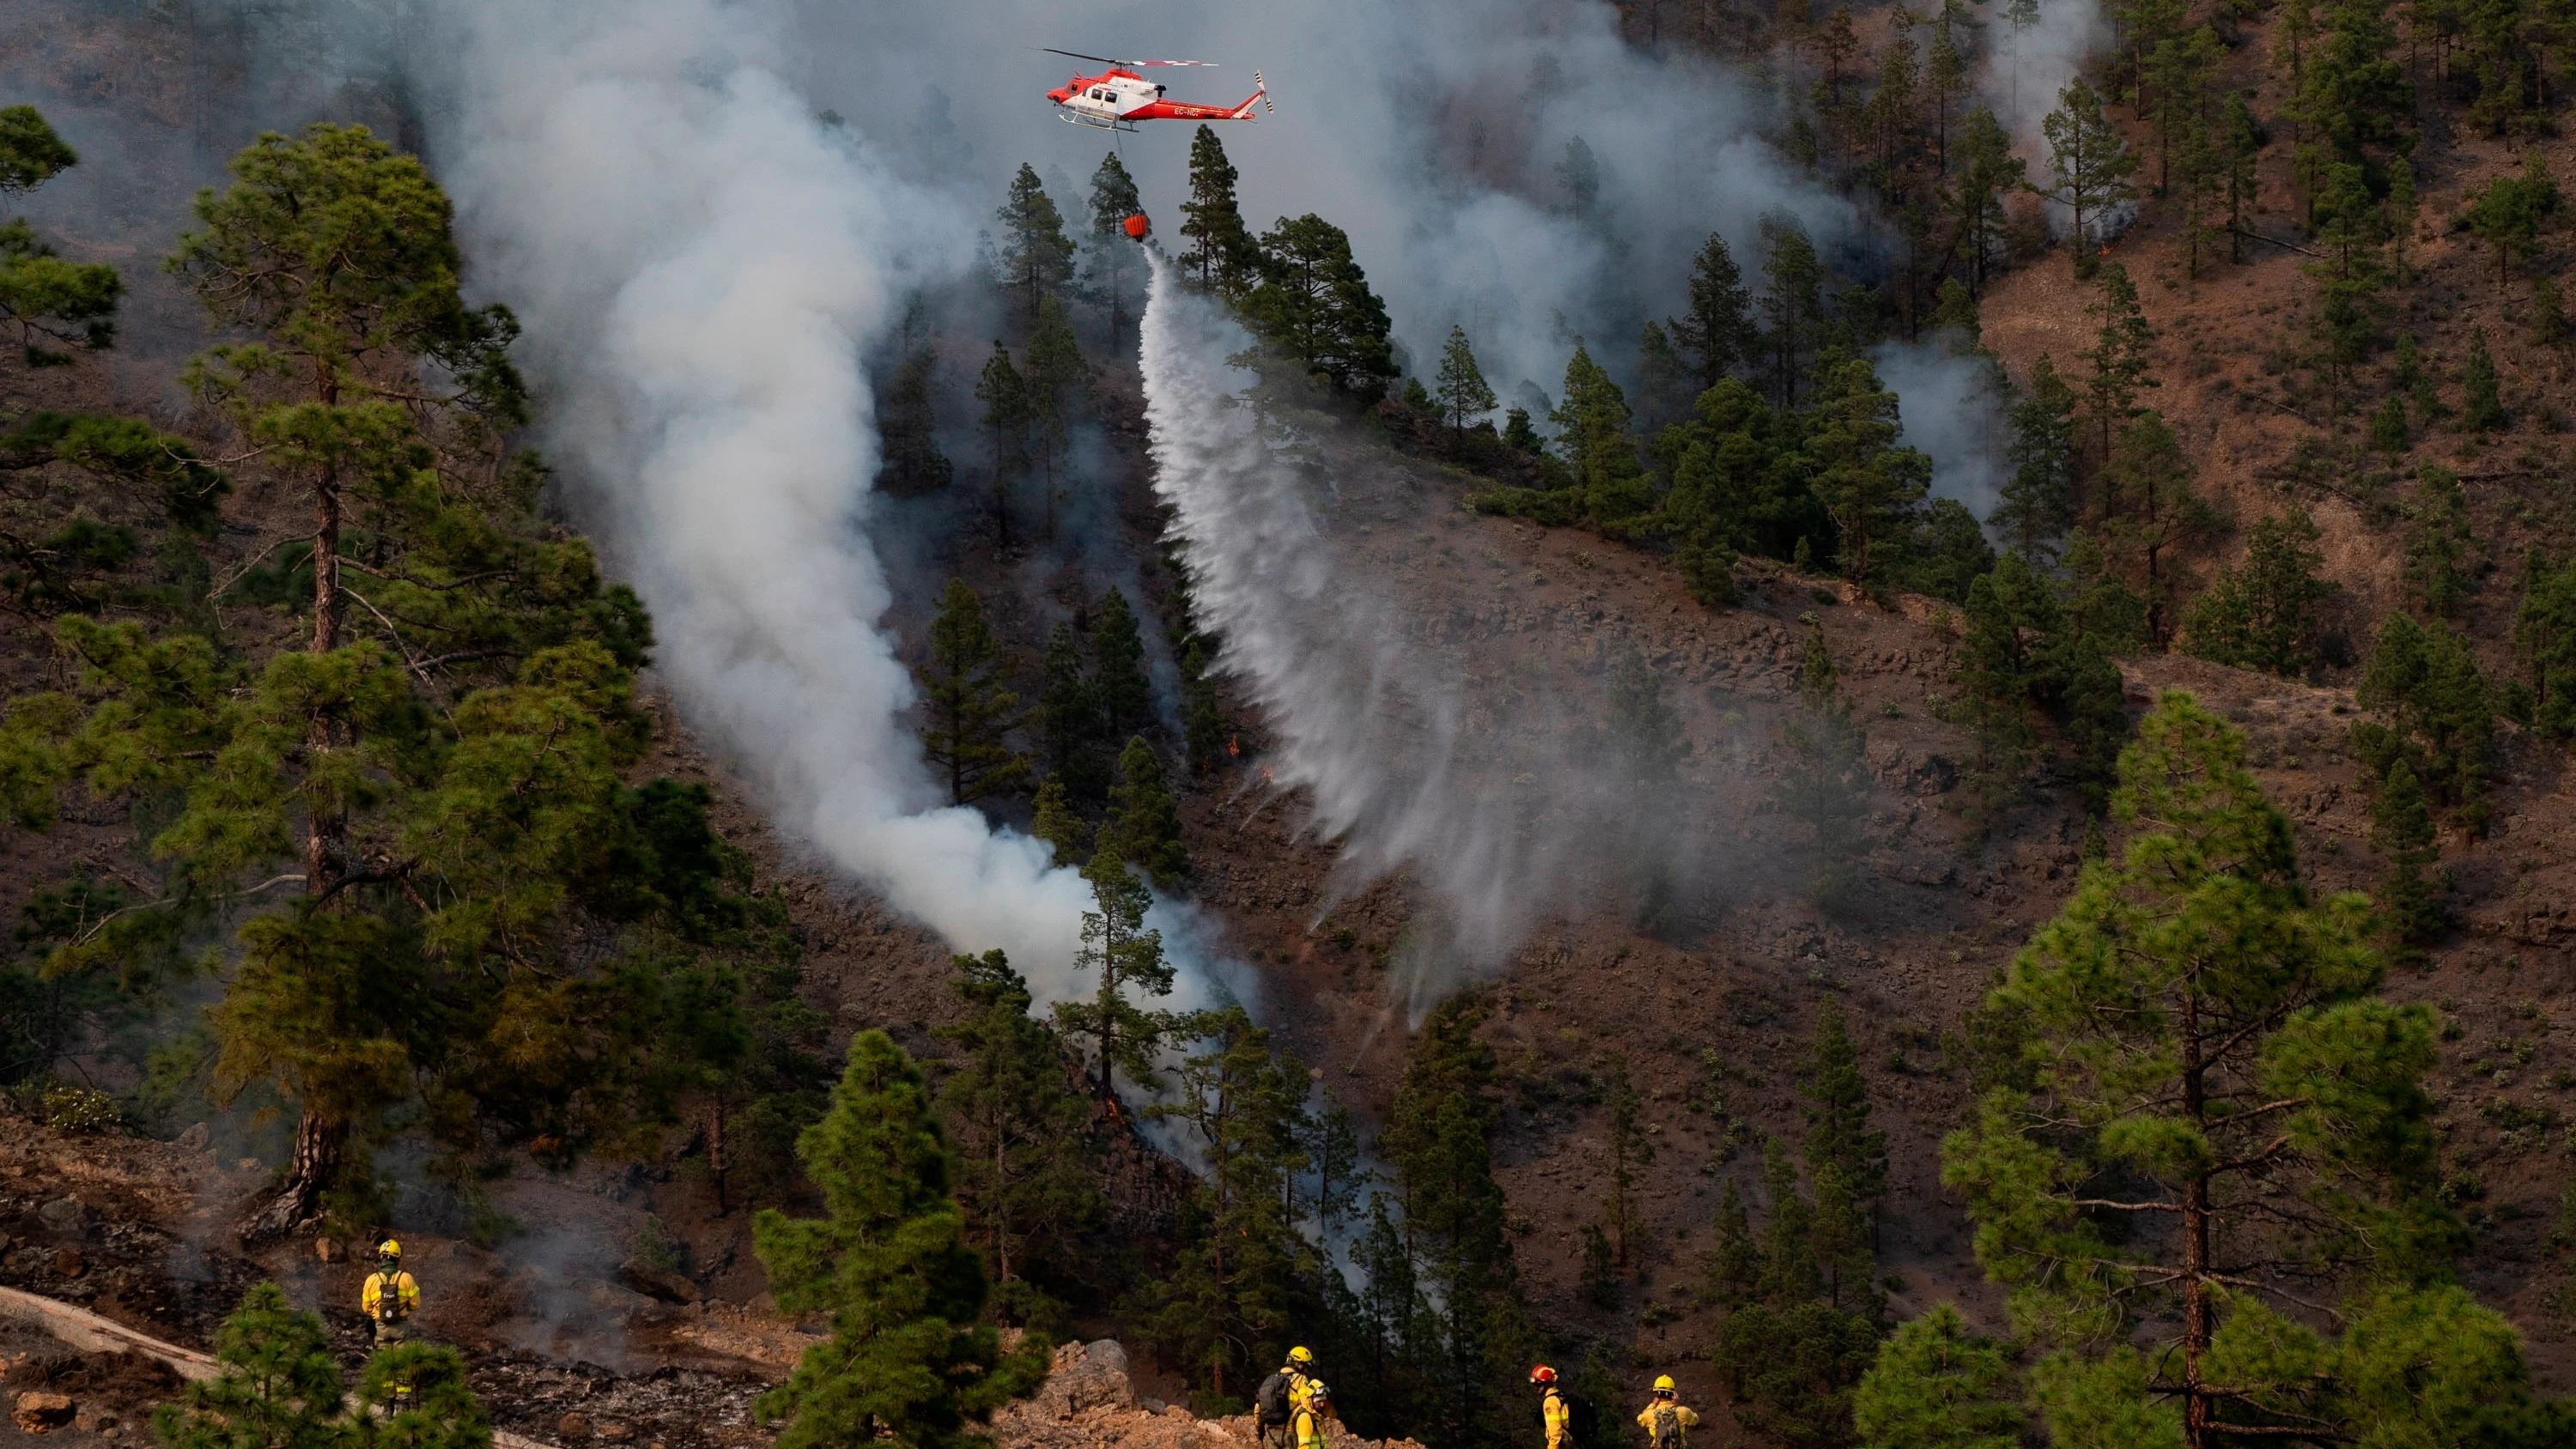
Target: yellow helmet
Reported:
[(1299, 1355), (388, 1249), (1663, 1383), (1316, 1390)]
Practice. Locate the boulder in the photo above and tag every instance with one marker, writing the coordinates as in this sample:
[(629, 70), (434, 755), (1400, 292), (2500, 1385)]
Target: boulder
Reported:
[(64, 1215), (659, 1283), (37, 1413), (1085, 1376)]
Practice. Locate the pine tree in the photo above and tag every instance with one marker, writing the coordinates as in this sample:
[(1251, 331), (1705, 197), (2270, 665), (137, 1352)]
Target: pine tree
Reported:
[(49, 302), (2263, 614), (1058, 380), (1461, 390), (416, 1396), (1221, 251), (2088, 163), (1664, 389), (1007, 417), (1840, 1140), (890, 1266), (1987, 173), (1227, 1307), (1113, 256), (2437, 542), (1128, 955), (1609, 482), (1790, 278), (2401, 825), (1077, 734), (1627, 1151), (1144, 826), (970, 711), (1024, 1173), (1825, 784), (2241, 149), (1203, 728), (1938, 1386), (1717, 332), (1124, 695), (2482, 410), (1037, 257), (1069, 840), (1871, 488), (278, 1387), (2123, 355), (2155, 512), (1314, 302), (2438, 715), (2544, 636), (1732, 1272), (908, 429), (2248, 1061), (2038, 507)]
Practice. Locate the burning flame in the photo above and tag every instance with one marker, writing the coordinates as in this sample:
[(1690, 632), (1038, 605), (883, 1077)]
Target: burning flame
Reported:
[(1234, 746)]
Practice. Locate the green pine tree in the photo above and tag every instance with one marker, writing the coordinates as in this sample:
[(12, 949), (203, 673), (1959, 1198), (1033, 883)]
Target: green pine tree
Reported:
[(888, 1263), (2544, 636), (1008, 414), (278, 1386), (1825, 784), (1037, 257), (970, 711), (1938, 1386), (2249, 1061), (2263, 615), (1068, 839), (1058, 383), (2038, 506), (50, 303), (2437, 713), (2482, 408), (1717, 333), (1791, 276), (2089, 166), (908, 428), (1025, 1175), (1114, 260), (1124, 695), (1731, 1274), (1144, 826), (1314, 303), (1461, 391), (1871, 487), (1128, 957), (1609, 482), (2401, 825), (1221, 250), (2438, 539)]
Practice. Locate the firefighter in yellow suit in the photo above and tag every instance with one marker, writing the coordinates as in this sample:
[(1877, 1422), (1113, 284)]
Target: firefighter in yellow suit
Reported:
[(1311, 1413), (391, 1295), (1666, 1422)]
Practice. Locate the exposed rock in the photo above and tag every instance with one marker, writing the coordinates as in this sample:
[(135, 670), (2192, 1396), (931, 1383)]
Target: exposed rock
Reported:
[(573, 1426), (37, 1413), (1088, 1402), (64, 1215), (196, 1139), (659, 1283)]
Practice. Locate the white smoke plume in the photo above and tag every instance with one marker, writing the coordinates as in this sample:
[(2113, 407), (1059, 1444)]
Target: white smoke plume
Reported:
[(2027, 66), (1951, 407), (700, 264)]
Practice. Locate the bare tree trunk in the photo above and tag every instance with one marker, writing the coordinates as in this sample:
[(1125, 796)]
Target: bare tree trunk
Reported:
[(716, 1153), (317, 1160), (2195, 1242)]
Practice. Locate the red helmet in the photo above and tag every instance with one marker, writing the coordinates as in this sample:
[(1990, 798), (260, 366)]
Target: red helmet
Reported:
[(1542, 1375)]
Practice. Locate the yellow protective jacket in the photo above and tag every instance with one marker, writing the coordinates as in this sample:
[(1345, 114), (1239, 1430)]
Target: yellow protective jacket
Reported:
[(1559, 1417), (393, 1297), (1309, 1426), (1683, 1422)]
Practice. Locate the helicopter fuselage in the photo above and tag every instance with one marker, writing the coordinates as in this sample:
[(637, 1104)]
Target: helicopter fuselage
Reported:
[(1117, 99)]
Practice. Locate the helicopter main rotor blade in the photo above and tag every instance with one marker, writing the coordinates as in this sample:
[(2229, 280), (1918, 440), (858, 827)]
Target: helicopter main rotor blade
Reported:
[(1108, 60)]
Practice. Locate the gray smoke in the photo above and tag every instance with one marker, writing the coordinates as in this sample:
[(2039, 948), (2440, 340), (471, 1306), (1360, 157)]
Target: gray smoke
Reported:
[(1951, 406), (700, 265)]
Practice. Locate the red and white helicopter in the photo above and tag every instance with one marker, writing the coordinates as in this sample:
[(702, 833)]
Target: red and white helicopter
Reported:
[(1117, 98)]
